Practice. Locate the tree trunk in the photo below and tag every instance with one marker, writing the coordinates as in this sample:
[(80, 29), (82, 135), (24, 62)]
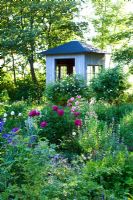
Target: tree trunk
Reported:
[(32, 70), (13, 69)]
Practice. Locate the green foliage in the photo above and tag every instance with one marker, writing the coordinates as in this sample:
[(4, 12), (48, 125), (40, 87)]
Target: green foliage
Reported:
[(4, 97), (26, 89), (62, 90), (126, 130), (107, 17), (20, 168), (112, 113), (124, 55), (110, 85), (109, 178), (99, 139)]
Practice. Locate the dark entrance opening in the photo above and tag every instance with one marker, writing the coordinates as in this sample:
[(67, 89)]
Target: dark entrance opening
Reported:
[(64, 67)]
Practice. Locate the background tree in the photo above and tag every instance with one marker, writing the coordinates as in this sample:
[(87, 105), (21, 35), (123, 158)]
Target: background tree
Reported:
[(31, 26), (106, 21), (123, 54)]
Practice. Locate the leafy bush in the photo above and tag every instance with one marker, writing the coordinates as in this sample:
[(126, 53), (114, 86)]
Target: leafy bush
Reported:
[(14, 115), (98, 139), (112, 113), (60, 91), (126, 130), (4, 97), (26, 89), (109, 178), (110, 85), (20, 166)]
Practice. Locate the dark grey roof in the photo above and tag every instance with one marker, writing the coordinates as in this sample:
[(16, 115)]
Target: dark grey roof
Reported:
[(73, 47)]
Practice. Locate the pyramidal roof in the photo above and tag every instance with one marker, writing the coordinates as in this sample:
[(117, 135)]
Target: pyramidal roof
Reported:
[(72, 47)]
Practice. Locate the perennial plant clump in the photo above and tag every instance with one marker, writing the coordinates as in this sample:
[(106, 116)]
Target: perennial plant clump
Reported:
[(71, 86)]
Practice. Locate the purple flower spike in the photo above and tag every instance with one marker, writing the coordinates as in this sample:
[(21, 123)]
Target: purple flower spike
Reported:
[(16, 129), (6, 135), (1, 125)]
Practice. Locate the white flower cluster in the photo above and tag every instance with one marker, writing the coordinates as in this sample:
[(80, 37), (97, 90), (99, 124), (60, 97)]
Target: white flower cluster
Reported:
[(12, 114)]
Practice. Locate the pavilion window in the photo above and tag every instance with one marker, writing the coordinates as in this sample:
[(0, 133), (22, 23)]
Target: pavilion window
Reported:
[(92, 72)]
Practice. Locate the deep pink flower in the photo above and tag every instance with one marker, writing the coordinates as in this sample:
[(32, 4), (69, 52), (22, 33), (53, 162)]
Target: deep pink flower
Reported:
[(43, 124), (76, 114), (60, 112), (55, 108), (78, 122), (37, 113), (33, 113)]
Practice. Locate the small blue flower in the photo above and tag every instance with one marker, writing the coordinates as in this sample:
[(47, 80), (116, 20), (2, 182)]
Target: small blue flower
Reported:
[(8, 137), (1, 125), (33, 139)]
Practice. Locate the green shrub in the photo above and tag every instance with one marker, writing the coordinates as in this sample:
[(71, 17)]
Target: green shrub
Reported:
[(112, 113), (60, 91), (98, 139), (110, 85), (4, 97), (126, 130), (20, 167), (59, 129), (26, 89), (110, 178), (16, 114)]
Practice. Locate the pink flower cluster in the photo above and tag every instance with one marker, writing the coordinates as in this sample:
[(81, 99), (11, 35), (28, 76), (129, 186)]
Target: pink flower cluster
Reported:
[(73, 103), (34, 113), (60, 112)]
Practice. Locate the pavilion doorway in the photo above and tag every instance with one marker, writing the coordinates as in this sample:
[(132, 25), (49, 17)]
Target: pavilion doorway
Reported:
[(64, 67)]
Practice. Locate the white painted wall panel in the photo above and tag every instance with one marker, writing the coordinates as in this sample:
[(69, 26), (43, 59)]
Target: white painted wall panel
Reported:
[(50, 69), (80, 65), (95, 59)]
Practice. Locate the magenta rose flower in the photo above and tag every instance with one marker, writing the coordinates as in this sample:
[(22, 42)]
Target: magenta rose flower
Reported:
[(55, 108), (37, 113), (34, 113), (43, 124), (60, 112), (76, 114), (78, 122)]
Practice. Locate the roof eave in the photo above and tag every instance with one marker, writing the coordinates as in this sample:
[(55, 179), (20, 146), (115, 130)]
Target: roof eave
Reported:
[(68, 53)]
